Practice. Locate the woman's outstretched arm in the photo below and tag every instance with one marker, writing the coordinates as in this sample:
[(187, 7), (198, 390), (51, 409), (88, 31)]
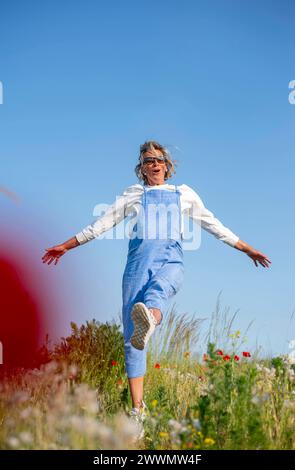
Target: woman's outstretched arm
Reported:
[(54, 253), (213, 225), (254, 254), (113, 215)]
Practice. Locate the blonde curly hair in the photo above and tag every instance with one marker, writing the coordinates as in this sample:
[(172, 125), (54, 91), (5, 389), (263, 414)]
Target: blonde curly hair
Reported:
[(152, 145)]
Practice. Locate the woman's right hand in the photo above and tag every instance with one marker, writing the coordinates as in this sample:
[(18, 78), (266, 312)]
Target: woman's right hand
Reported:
[(54, 253)]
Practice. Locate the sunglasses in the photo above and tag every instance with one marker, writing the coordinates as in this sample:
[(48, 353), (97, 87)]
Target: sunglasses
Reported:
[(150, 160)]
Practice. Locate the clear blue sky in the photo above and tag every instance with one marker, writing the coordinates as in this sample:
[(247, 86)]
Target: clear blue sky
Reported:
[(85, 83)]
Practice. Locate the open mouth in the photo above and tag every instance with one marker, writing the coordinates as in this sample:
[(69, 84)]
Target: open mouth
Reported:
[(156, 170)]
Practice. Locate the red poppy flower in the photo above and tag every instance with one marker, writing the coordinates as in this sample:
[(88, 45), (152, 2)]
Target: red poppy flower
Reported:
[(114, 363), (219, 352), (226, 358), (237, 358), (246, 354), (119, 382), (205, 358), (157, 366)]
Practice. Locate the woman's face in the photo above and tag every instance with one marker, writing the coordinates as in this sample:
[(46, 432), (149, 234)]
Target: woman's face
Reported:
[(154, 171)]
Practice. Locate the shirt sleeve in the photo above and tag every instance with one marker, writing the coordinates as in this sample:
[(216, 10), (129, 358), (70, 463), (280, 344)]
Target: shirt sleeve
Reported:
[(112, 216), (199, 213)]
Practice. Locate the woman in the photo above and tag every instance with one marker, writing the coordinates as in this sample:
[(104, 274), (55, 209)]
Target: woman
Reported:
[(154, 268)]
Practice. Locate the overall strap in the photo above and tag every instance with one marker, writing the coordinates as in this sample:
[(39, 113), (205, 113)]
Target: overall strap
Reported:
[(178, 192)]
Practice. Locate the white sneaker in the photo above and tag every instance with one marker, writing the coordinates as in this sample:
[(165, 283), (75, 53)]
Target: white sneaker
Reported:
[(138, 415), (144, 325)]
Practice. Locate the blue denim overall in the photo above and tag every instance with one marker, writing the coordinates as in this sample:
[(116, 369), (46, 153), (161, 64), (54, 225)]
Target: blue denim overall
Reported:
[(154, 269)]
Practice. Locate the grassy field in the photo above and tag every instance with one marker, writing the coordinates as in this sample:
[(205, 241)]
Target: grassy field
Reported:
[(223, 397)]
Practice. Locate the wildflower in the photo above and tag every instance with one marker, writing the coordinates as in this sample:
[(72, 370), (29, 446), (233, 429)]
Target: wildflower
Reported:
[(157, 366), (26, 412), (237, 334), (191, 376), (26, 437), (175, 425), (163, 434), (196, 424), (246, 354), (10, 422), (114, 363), (89, 426), (13, 442), (288, 404), (154, 403), (260, 399), (119, 382), (36, 372), (219, 352), (208, 441), (226, 358), (86, 399), (50, 367), (125, 432), (19, 397), (205, 357), (237, 358), (186, 354), (289, 360), (73, 372)]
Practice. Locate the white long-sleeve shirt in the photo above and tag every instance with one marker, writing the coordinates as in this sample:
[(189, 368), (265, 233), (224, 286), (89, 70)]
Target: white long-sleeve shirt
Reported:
[(129, 203)]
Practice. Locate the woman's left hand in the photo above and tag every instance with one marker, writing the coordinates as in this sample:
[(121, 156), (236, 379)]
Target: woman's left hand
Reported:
[(259, 257)]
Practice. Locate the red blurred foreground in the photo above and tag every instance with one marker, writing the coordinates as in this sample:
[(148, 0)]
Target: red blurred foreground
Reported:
[(24, 312)]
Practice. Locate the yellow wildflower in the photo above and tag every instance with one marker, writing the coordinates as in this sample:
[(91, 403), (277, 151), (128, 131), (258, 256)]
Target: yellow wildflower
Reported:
[(208, 441)]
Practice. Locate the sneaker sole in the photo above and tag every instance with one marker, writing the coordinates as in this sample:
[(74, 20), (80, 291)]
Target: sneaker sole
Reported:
[(141, 325)]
